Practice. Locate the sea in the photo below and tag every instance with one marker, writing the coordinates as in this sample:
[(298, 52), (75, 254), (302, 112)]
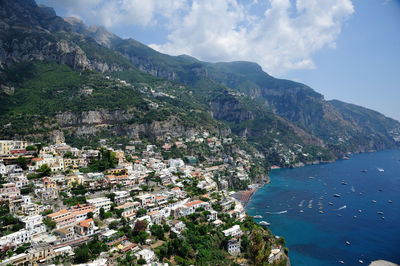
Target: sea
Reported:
[(358, 225)]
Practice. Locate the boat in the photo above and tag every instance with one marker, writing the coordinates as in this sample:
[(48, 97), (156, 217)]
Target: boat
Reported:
[(360, 211), (258, 217), (390, 201), (355, 217), (373, 201), (363, 171), (264, 223), (380, 212), (330, 203), (381, 170), (321, 212), (336, 195), (347, 242), (341, 262), (344, 183), (383, 217), (360, 261), (301, 211)]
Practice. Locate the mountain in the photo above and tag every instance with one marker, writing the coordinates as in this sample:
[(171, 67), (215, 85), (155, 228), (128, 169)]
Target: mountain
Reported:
[(61, 79), (295, 102)]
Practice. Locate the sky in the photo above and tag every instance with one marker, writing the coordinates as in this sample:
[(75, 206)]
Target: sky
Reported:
[(344, 49)]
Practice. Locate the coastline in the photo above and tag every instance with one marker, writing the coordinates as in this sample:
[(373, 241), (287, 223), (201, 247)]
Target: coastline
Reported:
[(355, 171)]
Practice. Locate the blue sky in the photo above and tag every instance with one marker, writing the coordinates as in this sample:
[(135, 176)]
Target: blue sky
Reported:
[(345, 49)]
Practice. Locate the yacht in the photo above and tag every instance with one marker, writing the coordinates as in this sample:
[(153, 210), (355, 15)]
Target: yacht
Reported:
[(336, 195), (381, 170), (380, 212), (258, 217), (264, 223), (347, 242), (390, 201), (373, 201)]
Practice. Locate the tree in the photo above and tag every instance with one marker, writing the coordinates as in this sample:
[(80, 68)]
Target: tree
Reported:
[(22, 162), (141, 212), (44, 170), (102, 213), (49, 223), (90, 215), (113, 224), (30, 148), (141, 261), (82, 254), (157, 231), (258, 249), (139, 226)]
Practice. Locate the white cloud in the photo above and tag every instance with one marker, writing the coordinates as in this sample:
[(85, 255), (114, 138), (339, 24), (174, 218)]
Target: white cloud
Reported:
[(283, 38), (280, 38)]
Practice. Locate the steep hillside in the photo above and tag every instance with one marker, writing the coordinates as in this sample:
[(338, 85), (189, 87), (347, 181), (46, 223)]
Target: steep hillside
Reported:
[(62, 79), (293, 101), (376, 129)]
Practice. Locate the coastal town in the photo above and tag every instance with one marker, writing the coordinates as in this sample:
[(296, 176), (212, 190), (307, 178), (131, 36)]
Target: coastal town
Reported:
[(138, 204)]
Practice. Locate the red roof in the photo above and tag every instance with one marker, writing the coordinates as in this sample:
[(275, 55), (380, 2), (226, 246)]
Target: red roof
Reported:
[(193, 203), (86, 223)]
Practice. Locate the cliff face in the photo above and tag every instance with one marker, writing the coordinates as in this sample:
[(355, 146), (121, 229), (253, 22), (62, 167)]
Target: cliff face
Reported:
[(87, 124), (27, 33)]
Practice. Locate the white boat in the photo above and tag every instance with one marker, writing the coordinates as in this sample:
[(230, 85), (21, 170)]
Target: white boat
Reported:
[(381, 170), (347, 242), (360, 261), (390, 201), (341, 262), (380, 212), (373, 201), (264, 223), (258, 217), (336, 195)]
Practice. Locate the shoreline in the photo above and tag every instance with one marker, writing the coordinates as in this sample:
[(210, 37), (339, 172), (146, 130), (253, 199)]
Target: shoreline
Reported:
[(356, 168)]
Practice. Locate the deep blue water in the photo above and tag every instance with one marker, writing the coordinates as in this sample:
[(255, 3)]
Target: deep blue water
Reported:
[(320, 239)]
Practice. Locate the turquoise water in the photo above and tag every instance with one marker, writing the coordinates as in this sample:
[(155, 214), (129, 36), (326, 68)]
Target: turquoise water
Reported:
[(293, 200)]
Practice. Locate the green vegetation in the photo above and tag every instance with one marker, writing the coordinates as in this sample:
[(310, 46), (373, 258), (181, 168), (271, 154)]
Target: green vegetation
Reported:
[(89, 251), (72, 201)]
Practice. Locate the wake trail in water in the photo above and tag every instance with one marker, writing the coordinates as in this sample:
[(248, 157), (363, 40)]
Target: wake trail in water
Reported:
[(280, 212), (341, 208)]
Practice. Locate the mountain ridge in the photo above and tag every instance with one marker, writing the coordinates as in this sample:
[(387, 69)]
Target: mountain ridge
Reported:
[(254, 105)]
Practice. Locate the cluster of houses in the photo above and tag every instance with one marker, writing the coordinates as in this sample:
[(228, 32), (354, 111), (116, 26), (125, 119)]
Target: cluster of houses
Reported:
[(53, 228)]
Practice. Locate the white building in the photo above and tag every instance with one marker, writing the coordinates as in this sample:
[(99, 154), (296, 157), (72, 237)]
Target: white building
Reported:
[(34, 224), (233, 246), (99, 203), (17, 238), (176, 163), (233, 231), (121, 197), (146, 254)]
